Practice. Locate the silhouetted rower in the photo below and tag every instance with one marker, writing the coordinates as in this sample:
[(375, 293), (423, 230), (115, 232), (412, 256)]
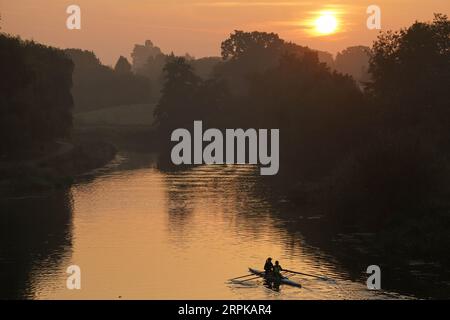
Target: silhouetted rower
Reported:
[(268, 266), (277, 270)]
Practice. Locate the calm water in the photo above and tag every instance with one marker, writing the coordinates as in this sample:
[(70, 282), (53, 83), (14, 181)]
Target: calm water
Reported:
[(139, 233)]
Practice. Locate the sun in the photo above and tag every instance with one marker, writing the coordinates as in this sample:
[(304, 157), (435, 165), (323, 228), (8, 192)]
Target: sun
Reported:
[(326, 23)]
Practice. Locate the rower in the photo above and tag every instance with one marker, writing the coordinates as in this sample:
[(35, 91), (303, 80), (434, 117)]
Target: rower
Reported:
[(277, 270), (268, 266)]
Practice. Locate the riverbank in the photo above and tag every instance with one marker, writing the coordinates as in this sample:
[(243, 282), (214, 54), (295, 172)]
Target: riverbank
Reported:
[(419, 233), (55, 169), (128, 127), (96, 138), (213, 209)]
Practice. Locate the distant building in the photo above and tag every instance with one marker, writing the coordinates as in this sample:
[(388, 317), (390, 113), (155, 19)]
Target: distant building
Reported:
[(141, 54)]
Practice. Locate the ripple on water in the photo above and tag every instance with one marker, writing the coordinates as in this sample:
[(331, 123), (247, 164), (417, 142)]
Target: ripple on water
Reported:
[(146, 234)]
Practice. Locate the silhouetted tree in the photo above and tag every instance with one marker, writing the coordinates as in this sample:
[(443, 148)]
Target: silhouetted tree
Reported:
[(98, 86), (153, 70), (355, 62), (241, 44), (401, 172), (247, 53), (317, 111), (122, 66), (327, 58), (35, 91), (411, 71), (177, 100), (378, 149), (204, 67), (187, 97)]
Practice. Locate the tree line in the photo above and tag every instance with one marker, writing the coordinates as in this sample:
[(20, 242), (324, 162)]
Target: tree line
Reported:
[(35, 101), (378, 146), (97, 86)]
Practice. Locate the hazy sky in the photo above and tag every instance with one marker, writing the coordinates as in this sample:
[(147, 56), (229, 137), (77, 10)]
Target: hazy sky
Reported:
[(111, 27)]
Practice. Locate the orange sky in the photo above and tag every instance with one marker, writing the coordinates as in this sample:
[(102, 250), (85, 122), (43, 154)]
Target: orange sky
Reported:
[(111, 27)]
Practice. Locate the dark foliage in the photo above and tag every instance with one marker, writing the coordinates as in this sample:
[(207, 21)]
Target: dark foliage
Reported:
[(411, 73), (316, 110), (187, 97), (403, 169), (355, 62), (122, 66), (381, 154), (248, 53), (96, 86), (35, 97)]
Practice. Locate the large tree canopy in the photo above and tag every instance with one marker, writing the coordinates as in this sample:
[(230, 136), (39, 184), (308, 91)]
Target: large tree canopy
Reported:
[(247, 53), (411, 67), (35, 94)]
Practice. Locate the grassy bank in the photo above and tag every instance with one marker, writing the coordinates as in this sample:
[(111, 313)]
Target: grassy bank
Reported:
[(54, 170), (125, 115), (128, 127), (393, 200)]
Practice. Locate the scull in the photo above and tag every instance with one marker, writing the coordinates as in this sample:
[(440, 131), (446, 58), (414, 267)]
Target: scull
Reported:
[(284, 280)]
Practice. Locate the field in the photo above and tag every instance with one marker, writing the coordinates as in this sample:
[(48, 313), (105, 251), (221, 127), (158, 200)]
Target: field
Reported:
[(125, 115)]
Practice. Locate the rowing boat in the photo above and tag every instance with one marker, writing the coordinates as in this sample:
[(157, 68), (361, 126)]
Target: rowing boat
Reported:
[(271, 278)]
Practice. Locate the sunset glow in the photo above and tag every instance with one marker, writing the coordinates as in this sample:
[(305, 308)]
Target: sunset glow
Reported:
[(326, 23), (199, 26), (215, 158)]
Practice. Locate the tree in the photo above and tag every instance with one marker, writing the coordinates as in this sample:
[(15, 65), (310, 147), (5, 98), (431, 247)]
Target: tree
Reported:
[(122, 66), (355, 62), (318, 112), (410, 69), (153, 70), (204, 66), (177, 103), (35, 95), (247, 53), (97, 86), (402, 170), (241, 43)]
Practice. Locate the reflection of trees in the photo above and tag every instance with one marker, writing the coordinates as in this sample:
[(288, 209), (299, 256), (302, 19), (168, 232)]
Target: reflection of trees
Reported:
[(252, 207), (181, 205), (233, 191), (35, 232)]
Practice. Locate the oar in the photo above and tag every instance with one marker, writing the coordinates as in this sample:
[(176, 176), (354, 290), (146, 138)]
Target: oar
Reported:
[(247, 275), (241, 281), (309, 275)]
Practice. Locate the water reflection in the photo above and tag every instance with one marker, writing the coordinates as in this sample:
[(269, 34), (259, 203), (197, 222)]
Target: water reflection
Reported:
[(35, 238), (140, 233)]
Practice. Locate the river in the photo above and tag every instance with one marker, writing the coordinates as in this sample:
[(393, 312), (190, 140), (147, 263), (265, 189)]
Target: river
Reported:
[(139, 233)]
